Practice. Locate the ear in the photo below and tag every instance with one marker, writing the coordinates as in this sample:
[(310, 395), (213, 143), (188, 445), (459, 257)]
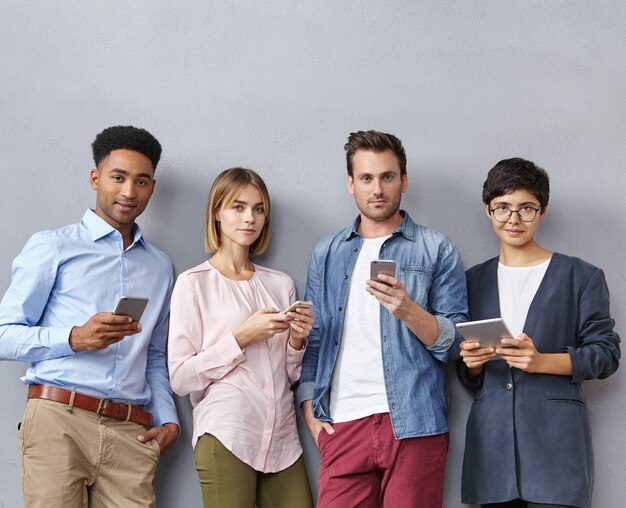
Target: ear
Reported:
[(405, 182), (350, 184), (543, 213), (487, 207), (93, 178)]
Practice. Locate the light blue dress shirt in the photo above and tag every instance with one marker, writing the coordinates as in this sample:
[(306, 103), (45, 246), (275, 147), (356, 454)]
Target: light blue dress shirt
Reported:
[(62, 278)]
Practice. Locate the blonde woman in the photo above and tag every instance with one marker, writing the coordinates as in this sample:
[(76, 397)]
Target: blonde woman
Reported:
[(236, 352)]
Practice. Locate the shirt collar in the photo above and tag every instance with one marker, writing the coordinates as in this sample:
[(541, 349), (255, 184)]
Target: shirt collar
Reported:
[(407, 228), (99, 228)]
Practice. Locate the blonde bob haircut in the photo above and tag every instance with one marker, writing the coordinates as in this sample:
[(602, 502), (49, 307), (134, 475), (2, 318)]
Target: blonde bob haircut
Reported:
[(225, 189)]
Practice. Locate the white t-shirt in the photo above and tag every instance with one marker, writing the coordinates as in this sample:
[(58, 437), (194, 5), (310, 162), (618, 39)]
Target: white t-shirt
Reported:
[(517, 286), (358, 383)]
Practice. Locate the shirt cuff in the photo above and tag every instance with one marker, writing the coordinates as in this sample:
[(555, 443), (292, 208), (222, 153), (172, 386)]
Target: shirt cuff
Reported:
[(305, 391), (446, 336), (165, 414), (59, 340)]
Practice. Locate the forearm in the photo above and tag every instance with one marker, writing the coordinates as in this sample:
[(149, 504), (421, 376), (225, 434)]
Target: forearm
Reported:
[(422, 323), (559, 364)]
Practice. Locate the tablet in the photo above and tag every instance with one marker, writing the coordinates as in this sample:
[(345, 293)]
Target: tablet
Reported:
[(487, 331)]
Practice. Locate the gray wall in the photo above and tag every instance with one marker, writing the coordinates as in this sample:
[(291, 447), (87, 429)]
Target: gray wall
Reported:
[(277, 86)]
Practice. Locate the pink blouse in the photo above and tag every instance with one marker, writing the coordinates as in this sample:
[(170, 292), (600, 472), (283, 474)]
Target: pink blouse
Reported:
[(242, 397)]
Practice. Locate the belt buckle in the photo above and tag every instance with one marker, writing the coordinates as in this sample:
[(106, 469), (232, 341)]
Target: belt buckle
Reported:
[(104, 404)]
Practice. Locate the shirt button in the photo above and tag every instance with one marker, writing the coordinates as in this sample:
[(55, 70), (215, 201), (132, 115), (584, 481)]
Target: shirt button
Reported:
[(355, 249), (340, 309), (393, 405), (345, 277), (509, 386), (120, 357)]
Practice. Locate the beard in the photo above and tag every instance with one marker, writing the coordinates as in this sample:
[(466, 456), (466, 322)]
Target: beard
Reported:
[(380, 212)]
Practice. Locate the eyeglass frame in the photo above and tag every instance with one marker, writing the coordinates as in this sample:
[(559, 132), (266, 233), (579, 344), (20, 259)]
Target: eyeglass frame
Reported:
[(511, 212)]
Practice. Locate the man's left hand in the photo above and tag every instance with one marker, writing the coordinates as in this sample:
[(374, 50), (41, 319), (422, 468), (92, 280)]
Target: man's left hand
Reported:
[(165, 435)]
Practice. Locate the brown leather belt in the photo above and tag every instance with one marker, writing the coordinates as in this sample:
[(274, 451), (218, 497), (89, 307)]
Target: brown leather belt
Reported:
[(104, 407)]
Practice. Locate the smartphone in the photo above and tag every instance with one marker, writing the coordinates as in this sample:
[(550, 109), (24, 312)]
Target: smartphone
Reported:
[(386, 266), (299, 303), (131, 306)]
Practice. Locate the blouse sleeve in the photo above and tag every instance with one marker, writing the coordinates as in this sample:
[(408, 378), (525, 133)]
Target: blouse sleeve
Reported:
[(191, 367), (597, 353), (293, 363)]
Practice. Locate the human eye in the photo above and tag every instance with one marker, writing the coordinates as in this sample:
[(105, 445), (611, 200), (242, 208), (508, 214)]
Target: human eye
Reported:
[(259, 209), (365, 178), (388, 178), (117, 178), (142, 182), (501, 208), (527, 208), (237, 207)]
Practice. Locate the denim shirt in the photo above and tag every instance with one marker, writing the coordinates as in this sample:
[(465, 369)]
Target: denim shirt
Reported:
[(430, 268)]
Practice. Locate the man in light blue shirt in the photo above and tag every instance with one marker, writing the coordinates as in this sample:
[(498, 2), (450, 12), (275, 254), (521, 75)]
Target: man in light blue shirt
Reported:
[(99, 411), (373, 387)]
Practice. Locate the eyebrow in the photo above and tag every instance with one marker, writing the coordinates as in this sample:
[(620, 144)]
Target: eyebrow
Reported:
[(240, 202), (534, 203), (126, 173)]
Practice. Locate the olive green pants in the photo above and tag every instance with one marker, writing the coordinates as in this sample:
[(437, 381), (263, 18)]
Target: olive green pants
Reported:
[(227, 482)]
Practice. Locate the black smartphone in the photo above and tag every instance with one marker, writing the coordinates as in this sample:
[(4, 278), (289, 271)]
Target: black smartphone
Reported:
[(131, 306)]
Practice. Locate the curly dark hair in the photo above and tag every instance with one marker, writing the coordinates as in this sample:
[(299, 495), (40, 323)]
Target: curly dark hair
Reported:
[(126, 137), (374, 141), (509, 175)]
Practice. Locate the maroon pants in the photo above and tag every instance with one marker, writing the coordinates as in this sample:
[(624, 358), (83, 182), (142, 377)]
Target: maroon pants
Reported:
[(364, 465)]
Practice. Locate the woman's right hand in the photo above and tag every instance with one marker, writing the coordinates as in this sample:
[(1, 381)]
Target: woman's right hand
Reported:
[(262, 325), (475, 356)]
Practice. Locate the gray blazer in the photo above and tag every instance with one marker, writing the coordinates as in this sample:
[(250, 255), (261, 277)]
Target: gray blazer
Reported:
[(528, 435)]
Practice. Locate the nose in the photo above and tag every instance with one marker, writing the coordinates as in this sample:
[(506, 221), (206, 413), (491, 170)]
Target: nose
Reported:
[(378, 188), (517, 219), (249, 216), (128, 190)]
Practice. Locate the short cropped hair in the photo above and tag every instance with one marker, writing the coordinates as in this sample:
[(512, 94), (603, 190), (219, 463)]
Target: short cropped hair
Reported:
[(510, 175), (374, 141), (126, 137), (225, 189)]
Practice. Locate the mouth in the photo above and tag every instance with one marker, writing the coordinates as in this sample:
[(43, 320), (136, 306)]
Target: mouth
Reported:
[(125, 207), (248, 231), (377, 202)]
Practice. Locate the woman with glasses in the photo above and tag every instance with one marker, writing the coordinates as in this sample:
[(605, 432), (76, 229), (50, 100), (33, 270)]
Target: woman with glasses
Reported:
[(528, 437), (236, 350)]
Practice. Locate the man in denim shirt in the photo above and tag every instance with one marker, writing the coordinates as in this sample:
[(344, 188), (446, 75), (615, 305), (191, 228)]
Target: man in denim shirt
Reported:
[(373, 386)]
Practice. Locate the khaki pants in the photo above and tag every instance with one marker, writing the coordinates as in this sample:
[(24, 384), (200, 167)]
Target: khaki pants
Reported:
[(78, 459)]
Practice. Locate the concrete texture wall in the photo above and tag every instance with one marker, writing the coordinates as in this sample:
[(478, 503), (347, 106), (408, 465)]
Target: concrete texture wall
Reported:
[(277, 86)]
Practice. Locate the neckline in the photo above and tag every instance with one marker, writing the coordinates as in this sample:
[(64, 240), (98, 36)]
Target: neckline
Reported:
[(256, 271)]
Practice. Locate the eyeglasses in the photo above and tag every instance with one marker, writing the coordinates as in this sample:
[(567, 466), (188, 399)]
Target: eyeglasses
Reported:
[(526, 213)]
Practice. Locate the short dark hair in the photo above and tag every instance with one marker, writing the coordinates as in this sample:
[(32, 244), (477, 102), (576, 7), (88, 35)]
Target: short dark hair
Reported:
[(374, 141), (126, 137), (509, 175)]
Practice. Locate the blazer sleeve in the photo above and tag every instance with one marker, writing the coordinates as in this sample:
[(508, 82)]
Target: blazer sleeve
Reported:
[(597, 352)]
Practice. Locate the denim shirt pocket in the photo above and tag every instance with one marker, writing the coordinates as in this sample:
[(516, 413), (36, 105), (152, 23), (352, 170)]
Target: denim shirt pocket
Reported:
[(418, 281)]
